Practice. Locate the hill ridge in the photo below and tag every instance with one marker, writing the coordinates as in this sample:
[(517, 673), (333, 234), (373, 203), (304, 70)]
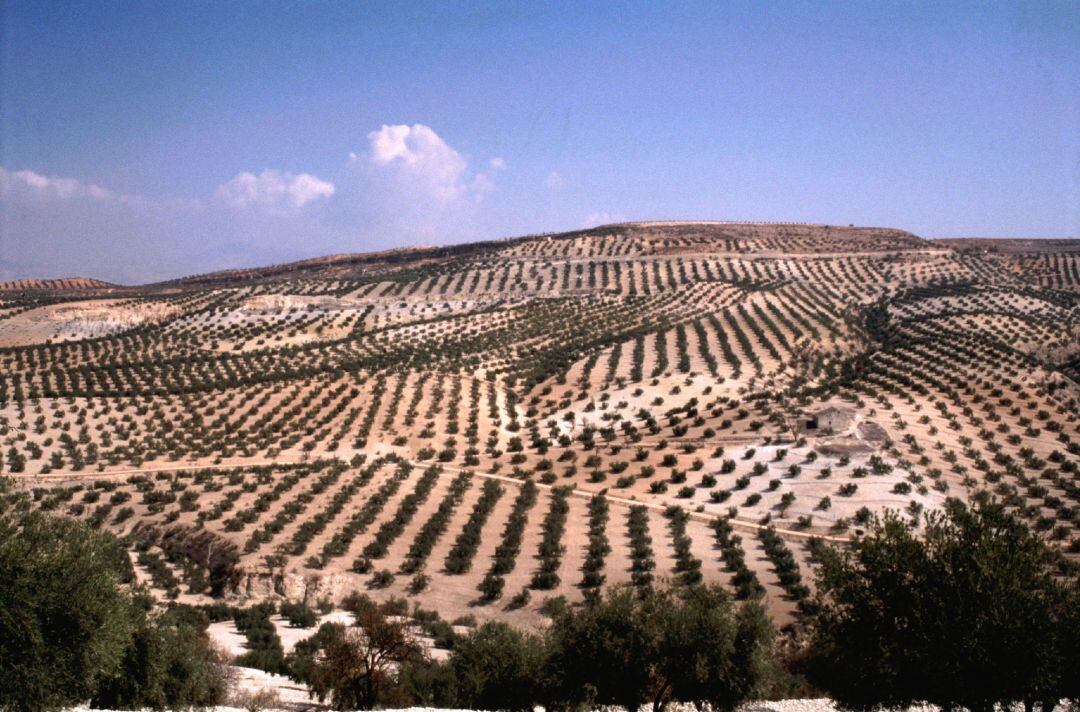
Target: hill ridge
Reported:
[(392, 257)]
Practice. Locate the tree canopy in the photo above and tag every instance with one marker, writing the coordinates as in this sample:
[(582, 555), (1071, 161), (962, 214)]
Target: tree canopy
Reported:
[(971, 612), (71, 630), (64, 622)]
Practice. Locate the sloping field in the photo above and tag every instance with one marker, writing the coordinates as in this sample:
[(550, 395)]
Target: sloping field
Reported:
[(480, 428)]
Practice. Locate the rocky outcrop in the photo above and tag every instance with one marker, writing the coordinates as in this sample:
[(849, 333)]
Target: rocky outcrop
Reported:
[(296, 587)]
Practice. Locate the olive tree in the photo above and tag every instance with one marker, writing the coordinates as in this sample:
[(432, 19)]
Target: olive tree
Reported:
[(72, 631), (686, 644), (968, 614), (64, 622)]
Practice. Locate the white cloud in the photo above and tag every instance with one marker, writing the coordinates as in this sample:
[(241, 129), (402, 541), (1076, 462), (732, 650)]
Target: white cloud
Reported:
[(31, 183), (58, 227), (274, 190), (411, 144), (554, 180), (410, 185), (482, 184), (423, 162), (407, 187), (602, 218)]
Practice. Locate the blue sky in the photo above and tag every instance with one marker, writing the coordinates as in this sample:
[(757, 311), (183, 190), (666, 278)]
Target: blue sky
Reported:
[(142, 140)]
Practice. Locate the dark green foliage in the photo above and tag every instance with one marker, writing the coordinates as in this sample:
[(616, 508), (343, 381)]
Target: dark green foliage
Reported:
[(360, 666), (614, 637), (169, 664), (1068, 640), (459, 560), (688, 645), (505, 558), (428, 683), (687, 567), (264, 649), (299, 615), (691, 644), (551, 547), (599, 547), (434, 527), (301, 662), (745, 581), (64, 623), (713, 652), (970, 614), (787, 569), (392, 528), (497, 667), (641, 552), (69, 632)]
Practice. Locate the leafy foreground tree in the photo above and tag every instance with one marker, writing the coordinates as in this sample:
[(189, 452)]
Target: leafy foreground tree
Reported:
[(64, 623), (970, 614), (359, 667), (679, 645), (688, 644), (302, 663), (498, 667), (70, 632), (168, 664)]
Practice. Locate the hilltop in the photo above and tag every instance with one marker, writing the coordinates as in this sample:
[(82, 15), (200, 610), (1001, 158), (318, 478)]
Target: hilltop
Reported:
[(640, 238), (64, 284)]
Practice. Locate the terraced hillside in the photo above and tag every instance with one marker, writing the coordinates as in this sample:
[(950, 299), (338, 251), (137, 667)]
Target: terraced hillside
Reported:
[(482, 427)]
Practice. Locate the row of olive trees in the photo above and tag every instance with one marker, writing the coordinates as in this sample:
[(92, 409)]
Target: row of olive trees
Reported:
[(971, 613)]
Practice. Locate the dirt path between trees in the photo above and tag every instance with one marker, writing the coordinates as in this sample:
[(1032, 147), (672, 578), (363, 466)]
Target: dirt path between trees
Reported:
[(57, 477)]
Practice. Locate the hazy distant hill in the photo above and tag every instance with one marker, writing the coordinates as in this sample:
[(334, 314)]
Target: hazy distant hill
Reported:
[(54, 285)]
